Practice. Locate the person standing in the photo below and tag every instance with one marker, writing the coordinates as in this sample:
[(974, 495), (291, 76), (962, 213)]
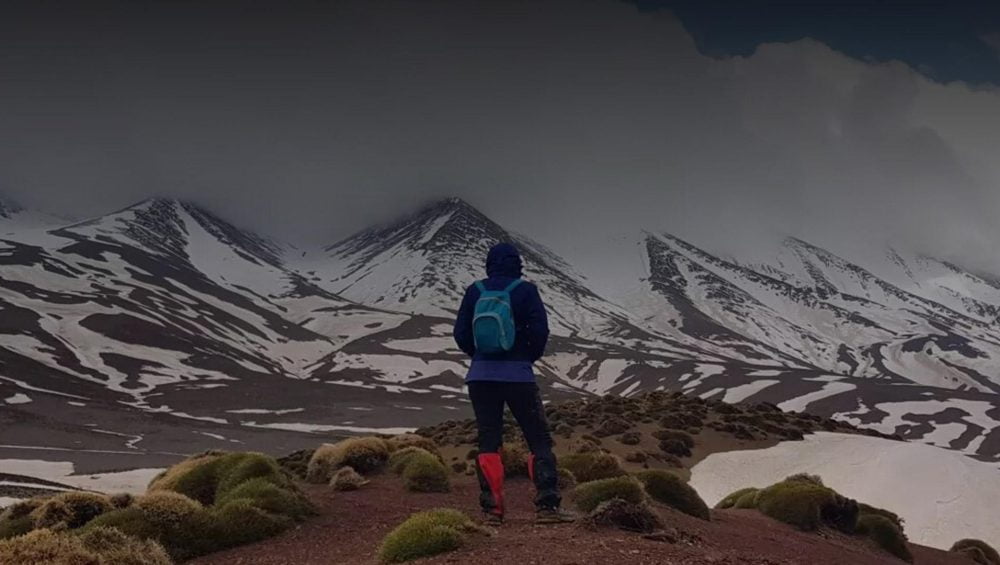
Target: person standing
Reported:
[(502, 326)]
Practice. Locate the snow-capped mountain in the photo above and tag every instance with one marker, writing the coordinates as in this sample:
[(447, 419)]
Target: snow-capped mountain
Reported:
[(167, 310)]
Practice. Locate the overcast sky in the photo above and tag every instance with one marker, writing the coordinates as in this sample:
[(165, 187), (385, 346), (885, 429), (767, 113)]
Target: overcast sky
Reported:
[(572, 121)]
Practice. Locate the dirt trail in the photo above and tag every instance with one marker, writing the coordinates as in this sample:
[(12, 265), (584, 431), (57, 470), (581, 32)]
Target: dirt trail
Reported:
[(351, 524)]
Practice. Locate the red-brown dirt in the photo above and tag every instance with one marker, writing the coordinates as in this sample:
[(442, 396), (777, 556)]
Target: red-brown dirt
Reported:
[(350, 526)]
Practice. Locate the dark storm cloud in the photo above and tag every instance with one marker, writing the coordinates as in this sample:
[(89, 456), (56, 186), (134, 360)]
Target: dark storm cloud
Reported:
[(568, 120)]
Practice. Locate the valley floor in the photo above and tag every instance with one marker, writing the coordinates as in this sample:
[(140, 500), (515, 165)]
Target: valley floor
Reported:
[(350, 526)]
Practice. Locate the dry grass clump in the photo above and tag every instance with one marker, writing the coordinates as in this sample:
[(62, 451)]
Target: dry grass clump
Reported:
[(885, 533), (401, 441), (592, 466), (425, 473), (624, 515), (667, 488), (97, 547), (589, 495), (977, 550), (425, 534), (364, 454), (346, 478), (15, 520), (69, 510)]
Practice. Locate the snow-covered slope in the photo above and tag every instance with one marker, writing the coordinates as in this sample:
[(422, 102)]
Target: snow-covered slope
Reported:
[(942, 496), (169, 309), (809, 308)]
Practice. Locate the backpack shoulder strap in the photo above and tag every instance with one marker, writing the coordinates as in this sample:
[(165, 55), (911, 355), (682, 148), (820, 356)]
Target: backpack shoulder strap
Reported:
[(512, 285), (480, 286)]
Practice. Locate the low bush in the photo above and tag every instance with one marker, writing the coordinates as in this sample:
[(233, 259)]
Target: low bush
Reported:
[(276, 499), (115, 548), (637, 457), (401, 441), (884, 532), (630, 438), (807, 505), (588, 495), (122, 500), (678, 435), (16, 520), (978, 550), (667, 488), (240, 521), (747, 495), (515, 460), (624, 515), (70, 510), (364, 454), (675, 447), (805, 478), (400, 458), (612, 425), (297, 462), (425, 534), (424, 473), (97, 547), (868, 509), (346, 478), (183, 532), (567, 481), (592, 466)]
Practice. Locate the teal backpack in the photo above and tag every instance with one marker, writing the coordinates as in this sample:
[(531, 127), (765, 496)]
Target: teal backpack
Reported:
[(493, 323)]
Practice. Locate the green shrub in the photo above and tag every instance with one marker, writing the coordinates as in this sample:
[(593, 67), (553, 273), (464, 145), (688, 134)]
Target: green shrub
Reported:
[(424, 473), (297, 462), (240, 521), (885, 533), (675, 447), (678, 435), (210, 502), (122, 500), (425, 534), (592, 466), (624, 515), (667, 488), (515, 460), (402, 441), (365, 454), (15, 520), (978, 550), (868, 509), (746, 495), (70, 510), (587, 496), (400, 458), (630, 438), (270, 497), (196, 534), (115, 548), (346, 478), (747, 501), (803, 504), (98, 547), (567, 481), (805, 478)]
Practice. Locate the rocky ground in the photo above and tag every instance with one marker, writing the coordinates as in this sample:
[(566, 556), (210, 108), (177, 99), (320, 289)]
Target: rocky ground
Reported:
[(351, 524)]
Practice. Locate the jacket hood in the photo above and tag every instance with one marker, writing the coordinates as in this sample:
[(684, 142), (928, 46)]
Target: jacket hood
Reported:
[(503, 260)]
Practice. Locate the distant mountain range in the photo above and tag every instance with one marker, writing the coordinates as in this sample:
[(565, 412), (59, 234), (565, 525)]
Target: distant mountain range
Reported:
[(165, 308)]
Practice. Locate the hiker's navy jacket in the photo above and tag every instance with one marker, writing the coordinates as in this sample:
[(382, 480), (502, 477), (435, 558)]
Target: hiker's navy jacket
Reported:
[(503, 265)]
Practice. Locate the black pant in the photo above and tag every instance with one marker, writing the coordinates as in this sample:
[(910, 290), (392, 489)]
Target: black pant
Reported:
[(488, 400)]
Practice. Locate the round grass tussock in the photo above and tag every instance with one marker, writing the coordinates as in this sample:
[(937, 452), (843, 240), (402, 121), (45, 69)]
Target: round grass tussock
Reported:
[(748, 501), (515, 460), (364, 454), (241, 521), (195, 535), (346, 478), (624, 515), (895, 518), (732, 499), (566, 480), (885, 533), (70, 510), (798, 503), (667, 488), (115, 548), (424, 473), (592, 466), (978, 550), (589, 495), (15, 520), (400, 458), (402, 441), (424, 534), (101, 546), (270, 497), (168, 507)]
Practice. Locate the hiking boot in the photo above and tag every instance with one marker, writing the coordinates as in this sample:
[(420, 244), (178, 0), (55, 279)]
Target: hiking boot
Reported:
[(491, 519), (554, 516)]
